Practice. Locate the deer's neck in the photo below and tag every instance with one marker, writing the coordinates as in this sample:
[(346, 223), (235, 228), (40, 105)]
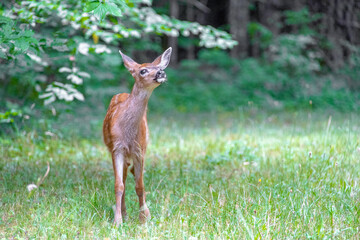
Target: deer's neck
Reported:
[(138, 101)]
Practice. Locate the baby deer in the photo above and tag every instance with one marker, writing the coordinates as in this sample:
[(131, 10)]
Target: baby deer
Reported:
[(126, 132)]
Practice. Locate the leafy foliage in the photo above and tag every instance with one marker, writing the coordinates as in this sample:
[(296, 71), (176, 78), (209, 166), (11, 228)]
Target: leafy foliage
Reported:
[(8, 117), (296, 54), (68, 51), (15, 41), (284, 79), (53, 34), (302, 19), (259, 34)]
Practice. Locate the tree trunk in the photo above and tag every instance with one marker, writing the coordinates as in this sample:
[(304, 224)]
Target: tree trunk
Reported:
[(190, 17), (173, 41), (340, 24), (270, 15), (238, 20), (200, 13)]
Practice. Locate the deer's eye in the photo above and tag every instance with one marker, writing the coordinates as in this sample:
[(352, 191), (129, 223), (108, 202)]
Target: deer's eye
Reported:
[(143, 72)]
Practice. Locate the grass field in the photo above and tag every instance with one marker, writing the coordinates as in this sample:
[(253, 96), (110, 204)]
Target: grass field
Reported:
[(208, 176)]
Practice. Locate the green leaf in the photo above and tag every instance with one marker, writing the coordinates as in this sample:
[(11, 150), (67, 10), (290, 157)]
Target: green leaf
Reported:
[(100, 11), (7, 30), (22, 44), (91, 6), (18, 33), (122, 3), (5, 20), (113, 9), (26, 33), (32, 40)]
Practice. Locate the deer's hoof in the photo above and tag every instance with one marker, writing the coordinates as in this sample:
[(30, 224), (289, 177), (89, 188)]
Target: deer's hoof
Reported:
[(117, 221), (124, 216), (144, 215)]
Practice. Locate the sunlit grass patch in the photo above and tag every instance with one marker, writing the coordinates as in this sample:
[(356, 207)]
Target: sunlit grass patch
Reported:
[(207, 176)]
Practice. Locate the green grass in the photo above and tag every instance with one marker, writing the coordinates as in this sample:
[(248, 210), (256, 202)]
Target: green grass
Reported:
[(214, 176)]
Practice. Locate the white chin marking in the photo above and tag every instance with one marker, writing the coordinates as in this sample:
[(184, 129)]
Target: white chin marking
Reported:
[(161, 80)]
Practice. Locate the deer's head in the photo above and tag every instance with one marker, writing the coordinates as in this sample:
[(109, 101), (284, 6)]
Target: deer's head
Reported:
[(148, 75)]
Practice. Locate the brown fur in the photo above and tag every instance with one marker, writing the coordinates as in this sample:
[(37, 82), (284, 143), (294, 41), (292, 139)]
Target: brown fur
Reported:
[(125, 132)]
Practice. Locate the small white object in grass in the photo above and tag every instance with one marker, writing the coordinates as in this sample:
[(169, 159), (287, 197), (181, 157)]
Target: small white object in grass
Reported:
[(31, 187), (48, 133), (221, 202), (246, 163)]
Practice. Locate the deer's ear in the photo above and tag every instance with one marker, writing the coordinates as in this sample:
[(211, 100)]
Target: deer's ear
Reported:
[(163, 60), (128, 62)]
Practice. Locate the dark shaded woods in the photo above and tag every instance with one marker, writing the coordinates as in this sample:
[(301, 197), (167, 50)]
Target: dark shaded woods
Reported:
[(335, 22)]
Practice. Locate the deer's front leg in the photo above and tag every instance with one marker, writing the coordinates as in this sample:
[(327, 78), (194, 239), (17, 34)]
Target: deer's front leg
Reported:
[(123, 206), (140, 190), (118, 164)]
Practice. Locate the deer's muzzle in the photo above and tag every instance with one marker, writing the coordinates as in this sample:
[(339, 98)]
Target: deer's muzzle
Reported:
[(160, 76)]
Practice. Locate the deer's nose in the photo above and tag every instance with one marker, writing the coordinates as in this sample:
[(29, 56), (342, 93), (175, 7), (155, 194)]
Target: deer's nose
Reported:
[(160, 74)]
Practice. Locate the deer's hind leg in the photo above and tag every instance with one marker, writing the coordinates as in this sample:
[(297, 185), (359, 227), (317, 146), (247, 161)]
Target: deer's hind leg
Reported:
[(138, 169)]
